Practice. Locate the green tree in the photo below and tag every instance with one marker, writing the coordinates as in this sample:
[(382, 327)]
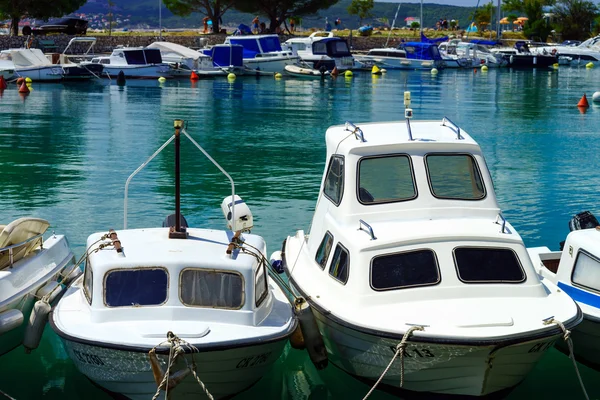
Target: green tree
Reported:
[(213, 9), (483, 15), (361, 8), (278, 11), (574, 18), (536, 25), (15, 10)]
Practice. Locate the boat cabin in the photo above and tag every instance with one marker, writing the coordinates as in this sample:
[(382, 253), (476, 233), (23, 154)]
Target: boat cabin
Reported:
[(258, 45), (421, 51), (154, 278), (131, 56), (319, 51)]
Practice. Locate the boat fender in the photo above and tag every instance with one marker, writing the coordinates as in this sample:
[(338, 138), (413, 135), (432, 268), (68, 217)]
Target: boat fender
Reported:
[(276, 262), (121, 78), (511, 59), (36, 324), (10, 320), (596, 97), (52, 288), (70, 275), (310, 332), (297, 340)]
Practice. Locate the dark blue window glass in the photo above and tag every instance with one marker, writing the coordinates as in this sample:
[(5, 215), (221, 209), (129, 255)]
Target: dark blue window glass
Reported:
[(135, 57), (136, 287), (153, 56)]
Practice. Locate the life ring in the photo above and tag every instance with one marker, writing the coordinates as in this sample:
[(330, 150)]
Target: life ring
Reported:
[(554, 51)]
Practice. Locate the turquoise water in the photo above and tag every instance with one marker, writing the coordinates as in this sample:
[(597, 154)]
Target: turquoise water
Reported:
[(66, 151)]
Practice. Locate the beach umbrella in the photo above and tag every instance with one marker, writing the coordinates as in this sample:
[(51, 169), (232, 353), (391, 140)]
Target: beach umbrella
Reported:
[(504, 21)]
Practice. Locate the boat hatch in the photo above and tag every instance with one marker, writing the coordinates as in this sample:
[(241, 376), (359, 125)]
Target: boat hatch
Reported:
[(185, 329)]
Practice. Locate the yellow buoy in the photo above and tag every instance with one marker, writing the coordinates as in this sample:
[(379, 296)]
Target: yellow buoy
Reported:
[(434, 71), (231, 76), (589, 65), (375, 70), (28, 80), (278, 75), (555, 65), (484, 68), (162, 79), (348, 74)]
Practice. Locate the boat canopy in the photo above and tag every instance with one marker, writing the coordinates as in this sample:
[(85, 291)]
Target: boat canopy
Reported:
[(425, 39), (226, 55), (28, 57), (485, 42), (421, 51), (168, 47), (333, 47), (254, 45)]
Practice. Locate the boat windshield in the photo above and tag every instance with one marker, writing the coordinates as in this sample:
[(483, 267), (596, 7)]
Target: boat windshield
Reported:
[(210, 288), (136, 287), (454, 176), (385, 179)]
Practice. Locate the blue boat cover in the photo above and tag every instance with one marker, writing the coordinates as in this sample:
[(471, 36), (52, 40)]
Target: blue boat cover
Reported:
[(425, 39), (484, 42), (251, 44), (226, 55), (421, 51)]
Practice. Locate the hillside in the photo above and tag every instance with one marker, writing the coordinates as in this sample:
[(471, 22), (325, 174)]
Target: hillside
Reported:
[(145, 13)]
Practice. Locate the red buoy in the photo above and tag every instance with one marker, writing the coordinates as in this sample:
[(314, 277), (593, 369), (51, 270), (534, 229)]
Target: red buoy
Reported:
[(20, 81), (194, 76), (23, 88), (583, 102), (334, 72), (3, 84)]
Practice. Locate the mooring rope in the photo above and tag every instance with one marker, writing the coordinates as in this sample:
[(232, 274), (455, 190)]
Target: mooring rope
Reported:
[(400, 348), (6, 395), (567, 338)]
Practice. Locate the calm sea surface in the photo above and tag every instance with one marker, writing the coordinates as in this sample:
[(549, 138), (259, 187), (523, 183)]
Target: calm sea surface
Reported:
[(66, 151)]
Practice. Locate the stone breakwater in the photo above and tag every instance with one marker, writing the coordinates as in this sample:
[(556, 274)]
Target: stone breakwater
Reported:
[(105, 44)]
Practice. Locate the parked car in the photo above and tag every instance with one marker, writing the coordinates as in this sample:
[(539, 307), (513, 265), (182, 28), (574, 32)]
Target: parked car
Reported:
[(70, 26)]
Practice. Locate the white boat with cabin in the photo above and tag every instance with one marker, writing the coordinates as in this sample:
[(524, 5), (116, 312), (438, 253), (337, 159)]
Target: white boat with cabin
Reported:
[(135, 62), (574, 269), (30, 269), (146, 292), (410, 265), (33, 64), (263, 53), (583, 53), (322, 50)]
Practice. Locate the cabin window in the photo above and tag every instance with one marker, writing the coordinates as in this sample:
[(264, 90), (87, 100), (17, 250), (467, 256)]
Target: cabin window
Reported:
[(403, 270), (319, 48), (260, 285), (136, 287), (135, 57), (324, 250), (211, 288), (454, 176), (152, 56), (586, 271), (385, 179), (488, 265), (88, 278), (340, 264), (334, 180)]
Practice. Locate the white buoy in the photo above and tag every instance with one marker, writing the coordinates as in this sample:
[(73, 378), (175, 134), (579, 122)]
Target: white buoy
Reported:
[(10, 320), (434, 71), (36, 324), (596, 97), (310, 332), (383, 71)]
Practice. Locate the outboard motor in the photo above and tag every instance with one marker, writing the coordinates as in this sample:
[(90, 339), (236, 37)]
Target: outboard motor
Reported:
[(582, 220)]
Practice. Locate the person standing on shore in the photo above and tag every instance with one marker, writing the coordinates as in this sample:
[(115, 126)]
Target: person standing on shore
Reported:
[(205, 23), (255, 24), (292, 25)]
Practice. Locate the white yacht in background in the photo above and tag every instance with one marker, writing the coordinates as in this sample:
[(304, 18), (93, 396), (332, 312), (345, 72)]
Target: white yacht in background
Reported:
[(33, 64), (479, 54), (583, 53), (322, 50), (135, 62), (30, 269), (263, 53), (206, 294), (408, 245)]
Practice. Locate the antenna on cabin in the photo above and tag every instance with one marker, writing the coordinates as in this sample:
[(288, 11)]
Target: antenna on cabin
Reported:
[(177, 231), (408, 113)]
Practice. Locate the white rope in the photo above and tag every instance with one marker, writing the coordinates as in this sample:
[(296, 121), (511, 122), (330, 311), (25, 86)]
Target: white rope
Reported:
[(567, 338), (7, 396), (399, 350)]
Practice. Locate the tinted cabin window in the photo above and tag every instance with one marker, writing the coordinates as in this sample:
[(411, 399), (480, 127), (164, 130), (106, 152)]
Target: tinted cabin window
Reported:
[(88, 278), (586, 271), (260, 285), (488, 265), (135, 57), (207, 288), (396, 271), (324, 250), (319, 48), (454, 176), (153, 56), (340, 264), (334, 180), (136, 287), (385, 179)]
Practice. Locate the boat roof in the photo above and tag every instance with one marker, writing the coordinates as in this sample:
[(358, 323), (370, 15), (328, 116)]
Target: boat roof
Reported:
[(27, 57), (586, 238), (177, 48)]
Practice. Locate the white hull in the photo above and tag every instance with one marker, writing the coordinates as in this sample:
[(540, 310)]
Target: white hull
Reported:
[(306, 73), (225, 373), (431, 367), (269, 64), (400, 63), (137, 71), (45, 73)]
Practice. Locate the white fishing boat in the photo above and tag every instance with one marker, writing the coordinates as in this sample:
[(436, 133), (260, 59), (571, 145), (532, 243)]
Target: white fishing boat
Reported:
[(176, 304), (7, 67), (322, 49), (574, 270), (409, 56), (414, 276), (31, 268), (135, 62), (33, 64), (263, 53)]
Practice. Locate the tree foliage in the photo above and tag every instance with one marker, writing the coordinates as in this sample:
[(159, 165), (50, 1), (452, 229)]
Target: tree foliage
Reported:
[(361, 8), (39, 9), (277, 11), (483, 15), (574, 18), (213, 9), (536, 26)]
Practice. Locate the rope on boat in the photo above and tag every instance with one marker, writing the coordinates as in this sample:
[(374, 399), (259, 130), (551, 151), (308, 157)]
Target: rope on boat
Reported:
[(400, 350), (6, 395), (177, 348), (567, 338)]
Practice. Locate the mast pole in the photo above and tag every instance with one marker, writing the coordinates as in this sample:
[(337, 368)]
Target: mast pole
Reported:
[(421, 17)]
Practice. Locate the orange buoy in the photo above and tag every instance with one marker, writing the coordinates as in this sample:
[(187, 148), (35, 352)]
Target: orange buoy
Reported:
[(20, 81), (194, 76), (474, 70), (334, 72), (583, 102), (23, 88), (3, 84), (582, 110)]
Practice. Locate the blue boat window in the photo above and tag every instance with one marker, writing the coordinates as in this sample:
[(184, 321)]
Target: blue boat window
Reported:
[(324, 250), (270, 43), (135, 57), (586, 271), (88, 278), (319, 48), (454, 176), (403, 270), (136, 287), (340, 264), (153, 56), (211, 288), (339, 48), (334, 180), (385, 179), (488, 265)]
